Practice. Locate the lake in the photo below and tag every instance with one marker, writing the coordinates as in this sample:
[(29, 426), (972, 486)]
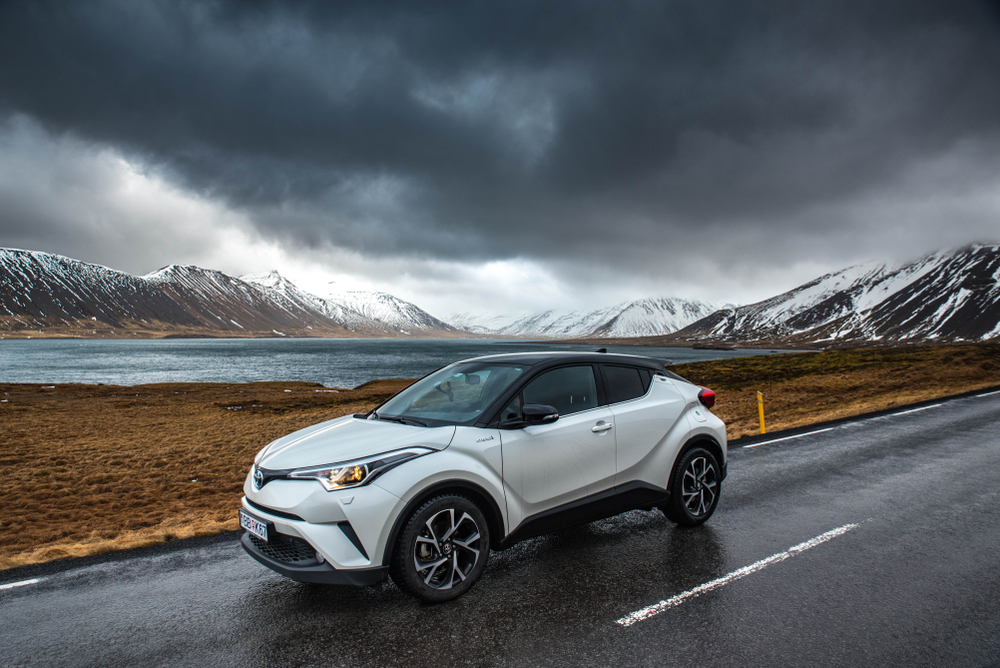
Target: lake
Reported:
[(331, 362)]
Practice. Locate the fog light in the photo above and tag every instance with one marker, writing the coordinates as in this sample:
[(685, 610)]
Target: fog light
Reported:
[(319, 557)]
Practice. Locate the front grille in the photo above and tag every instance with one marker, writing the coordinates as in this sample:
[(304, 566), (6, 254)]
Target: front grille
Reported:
[(272, 511), (287, 549)]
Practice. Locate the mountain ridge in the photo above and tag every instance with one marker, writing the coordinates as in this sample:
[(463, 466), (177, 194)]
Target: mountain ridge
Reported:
[(390, 311), (45, 294), (638, 317), (357, 309), (944, 296)]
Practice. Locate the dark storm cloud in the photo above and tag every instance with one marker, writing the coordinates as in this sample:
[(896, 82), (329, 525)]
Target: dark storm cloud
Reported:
[(619, 131)]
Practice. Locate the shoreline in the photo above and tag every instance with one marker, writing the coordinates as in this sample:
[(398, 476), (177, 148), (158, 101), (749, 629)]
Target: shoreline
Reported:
[(150, 335)]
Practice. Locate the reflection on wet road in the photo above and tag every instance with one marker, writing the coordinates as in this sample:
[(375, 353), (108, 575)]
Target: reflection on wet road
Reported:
[(914, 583)]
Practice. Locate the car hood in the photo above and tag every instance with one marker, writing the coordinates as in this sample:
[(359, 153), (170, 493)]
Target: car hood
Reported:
[(348, 438)]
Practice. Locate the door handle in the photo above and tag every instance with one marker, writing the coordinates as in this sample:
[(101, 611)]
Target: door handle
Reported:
[(601, 426)]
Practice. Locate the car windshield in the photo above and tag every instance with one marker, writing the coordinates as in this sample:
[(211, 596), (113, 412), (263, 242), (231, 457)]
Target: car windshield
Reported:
[(456, 394)]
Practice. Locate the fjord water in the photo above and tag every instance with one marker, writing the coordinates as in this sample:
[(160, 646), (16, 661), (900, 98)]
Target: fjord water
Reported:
[(342, 363)]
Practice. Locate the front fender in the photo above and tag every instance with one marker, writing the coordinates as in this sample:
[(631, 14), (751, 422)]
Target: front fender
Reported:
[(471, 463)]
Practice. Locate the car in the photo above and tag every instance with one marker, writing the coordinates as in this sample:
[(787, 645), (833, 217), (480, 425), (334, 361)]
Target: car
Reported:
[(475, 457)]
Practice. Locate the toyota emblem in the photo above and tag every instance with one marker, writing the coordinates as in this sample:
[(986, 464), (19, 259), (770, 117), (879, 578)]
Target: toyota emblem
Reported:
[(258, 478)]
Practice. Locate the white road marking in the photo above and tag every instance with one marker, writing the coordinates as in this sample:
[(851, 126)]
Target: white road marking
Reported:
[(786, 438), (650, 611), (11, 585), (820, 431), (914, 410)]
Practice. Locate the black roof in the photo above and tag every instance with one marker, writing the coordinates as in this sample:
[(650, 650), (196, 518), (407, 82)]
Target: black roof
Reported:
[(554, 358)]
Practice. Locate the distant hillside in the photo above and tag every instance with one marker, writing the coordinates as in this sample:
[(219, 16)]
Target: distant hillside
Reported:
[(943, 297), (642, 317), (392, 313), (946, 296), (377, 312), (42, 294)]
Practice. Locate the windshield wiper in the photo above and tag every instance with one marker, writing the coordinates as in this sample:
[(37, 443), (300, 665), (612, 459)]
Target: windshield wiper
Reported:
[(401, 420)]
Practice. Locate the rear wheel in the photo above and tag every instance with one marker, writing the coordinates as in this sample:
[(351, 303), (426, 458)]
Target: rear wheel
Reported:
[(694, 489), (442, 550)]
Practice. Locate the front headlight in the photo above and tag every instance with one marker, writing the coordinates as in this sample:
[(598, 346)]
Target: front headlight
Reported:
[(357, 472)]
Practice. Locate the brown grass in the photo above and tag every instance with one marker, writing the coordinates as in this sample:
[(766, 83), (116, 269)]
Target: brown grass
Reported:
[(804, 388), (89, 469)]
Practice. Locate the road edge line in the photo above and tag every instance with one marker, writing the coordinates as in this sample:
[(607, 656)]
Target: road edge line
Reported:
[(22, 583), (745, 441), (787, 438)]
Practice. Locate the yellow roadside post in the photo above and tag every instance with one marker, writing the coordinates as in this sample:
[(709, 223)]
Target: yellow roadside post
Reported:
[(760, 411)]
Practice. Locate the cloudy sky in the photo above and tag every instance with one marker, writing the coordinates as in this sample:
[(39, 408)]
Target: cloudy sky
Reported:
[(505, 156)]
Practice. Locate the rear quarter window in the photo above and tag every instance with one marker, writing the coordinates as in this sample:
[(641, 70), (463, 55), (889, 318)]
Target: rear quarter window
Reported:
[(623, 383)]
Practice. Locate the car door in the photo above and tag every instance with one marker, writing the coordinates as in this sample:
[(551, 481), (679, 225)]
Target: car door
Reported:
[(546, 466), (646, 409)]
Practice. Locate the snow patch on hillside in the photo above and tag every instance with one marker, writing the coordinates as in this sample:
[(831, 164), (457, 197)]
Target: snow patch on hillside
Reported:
[(953, 295), (642, 317)]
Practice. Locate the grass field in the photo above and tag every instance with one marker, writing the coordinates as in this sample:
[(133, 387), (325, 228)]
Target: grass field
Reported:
[(90, 468), (804, 388)]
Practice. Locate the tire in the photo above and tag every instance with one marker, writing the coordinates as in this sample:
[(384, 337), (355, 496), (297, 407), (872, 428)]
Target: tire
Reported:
[(694, 488), (442, 549)]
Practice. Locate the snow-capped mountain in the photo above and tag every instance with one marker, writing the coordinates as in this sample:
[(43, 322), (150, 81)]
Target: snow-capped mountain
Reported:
[(651, 317), (355, 310), (945, 296), (45, 292), (284, 291), (485, 323), (218, 300), (39, 289), (642, 317), (390, 313)]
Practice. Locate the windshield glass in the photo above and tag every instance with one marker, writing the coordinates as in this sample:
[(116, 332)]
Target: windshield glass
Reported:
[(455, 394)]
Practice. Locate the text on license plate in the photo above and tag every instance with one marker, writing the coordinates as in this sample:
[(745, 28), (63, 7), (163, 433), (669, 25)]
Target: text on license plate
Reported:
[(253, 525)]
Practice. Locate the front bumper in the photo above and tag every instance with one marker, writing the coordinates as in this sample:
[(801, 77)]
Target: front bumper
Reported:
[(291, 559)]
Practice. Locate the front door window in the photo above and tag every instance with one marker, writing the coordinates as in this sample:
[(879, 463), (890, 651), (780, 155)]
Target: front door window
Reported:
[(553, 464)]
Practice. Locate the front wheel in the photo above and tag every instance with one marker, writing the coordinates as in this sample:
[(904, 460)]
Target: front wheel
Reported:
[(694, 490), (442, 550)]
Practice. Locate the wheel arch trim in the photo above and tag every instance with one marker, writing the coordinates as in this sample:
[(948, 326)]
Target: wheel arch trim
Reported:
[(482, 498), (703, 440)]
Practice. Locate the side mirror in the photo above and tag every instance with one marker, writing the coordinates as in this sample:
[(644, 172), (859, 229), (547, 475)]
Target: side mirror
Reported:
[(539, 414), (531, 414)]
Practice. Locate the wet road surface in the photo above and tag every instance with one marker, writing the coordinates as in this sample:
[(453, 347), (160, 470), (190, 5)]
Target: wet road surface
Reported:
[(912, 578)]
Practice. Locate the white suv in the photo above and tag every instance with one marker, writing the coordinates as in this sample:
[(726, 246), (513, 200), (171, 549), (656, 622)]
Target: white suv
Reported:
[(477, 456)]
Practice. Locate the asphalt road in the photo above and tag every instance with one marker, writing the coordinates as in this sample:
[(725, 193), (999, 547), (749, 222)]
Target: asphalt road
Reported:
[(903, 571)]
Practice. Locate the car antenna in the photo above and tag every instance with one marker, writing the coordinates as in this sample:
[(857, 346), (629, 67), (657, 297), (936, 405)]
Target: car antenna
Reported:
[(602, 350)]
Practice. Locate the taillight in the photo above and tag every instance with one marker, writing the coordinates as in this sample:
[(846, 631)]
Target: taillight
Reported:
[(706, 397)]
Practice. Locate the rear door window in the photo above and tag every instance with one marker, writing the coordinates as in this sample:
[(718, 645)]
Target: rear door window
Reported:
[(570, 389), (623, 383)]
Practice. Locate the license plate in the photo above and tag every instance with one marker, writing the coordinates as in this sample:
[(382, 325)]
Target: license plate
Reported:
[(253, 525)]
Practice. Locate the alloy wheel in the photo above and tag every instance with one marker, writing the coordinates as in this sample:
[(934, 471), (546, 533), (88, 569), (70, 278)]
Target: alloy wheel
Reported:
[(699, 486), (447, 549)]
